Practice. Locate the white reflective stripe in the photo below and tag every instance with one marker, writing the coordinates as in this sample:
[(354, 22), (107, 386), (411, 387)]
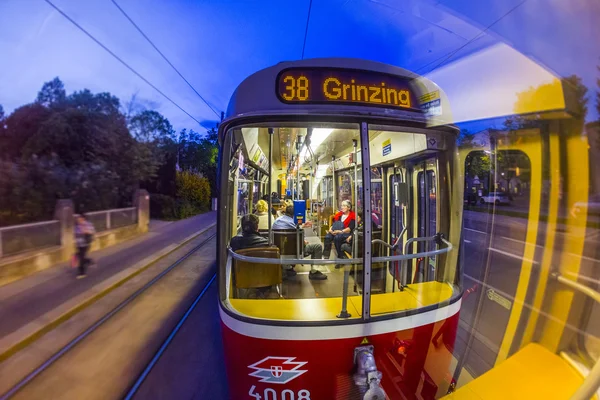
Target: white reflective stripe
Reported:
[(358, 330)]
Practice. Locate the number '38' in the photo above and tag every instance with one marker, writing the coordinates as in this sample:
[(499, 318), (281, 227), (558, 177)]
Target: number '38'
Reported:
[(296, 88)]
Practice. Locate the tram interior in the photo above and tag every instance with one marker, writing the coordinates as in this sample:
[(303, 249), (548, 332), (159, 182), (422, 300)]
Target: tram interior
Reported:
[(315, 169)]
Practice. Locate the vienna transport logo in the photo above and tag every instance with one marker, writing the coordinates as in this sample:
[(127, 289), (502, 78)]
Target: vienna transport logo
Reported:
[(277, 369)]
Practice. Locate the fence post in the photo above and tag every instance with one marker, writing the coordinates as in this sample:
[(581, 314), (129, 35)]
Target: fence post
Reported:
[(141, 200), (0, 244), (108, 220), (63, 212)]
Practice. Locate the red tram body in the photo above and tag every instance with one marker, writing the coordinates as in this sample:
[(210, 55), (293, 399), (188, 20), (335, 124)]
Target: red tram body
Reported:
[(402, 355), (376, 316)]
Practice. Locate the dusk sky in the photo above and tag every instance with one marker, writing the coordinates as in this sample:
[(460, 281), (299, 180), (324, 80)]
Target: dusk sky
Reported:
[(216, 44)]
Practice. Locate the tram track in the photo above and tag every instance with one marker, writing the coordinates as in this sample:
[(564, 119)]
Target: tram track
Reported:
[(151, 372), (195, 273)]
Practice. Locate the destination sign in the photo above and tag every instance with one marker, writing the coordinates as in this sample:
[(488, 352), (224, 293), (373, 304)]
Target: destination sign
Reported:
[(344, 86)]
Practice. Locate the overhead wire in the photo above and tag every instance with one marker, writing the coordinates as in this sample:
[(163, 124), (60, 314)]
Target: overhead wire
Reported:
[(306, 29), (164, 57), (480, 34), (120, 60)]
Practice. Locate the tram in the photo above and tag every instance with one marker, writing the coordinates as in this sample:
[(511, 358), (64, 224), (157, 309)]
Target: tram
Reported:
[(408, 300), (321, 136)]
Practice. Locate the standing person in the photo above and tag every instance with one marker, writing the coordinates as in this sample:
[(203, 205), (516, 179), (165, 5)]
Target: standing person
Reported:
[(343, 225), (84, 235)]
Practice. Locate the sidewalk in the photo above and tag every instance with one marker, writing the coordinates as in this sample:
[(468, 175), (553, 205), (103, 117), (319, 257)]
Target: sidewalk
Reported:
[(28, 299)]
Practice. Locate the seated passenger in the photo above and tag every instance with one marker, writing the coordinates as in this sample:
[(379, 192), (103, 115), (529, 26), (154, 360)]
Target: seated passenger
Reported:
[(250, 236), (286, 221), (343, 225), (274, 203), (262, 208)]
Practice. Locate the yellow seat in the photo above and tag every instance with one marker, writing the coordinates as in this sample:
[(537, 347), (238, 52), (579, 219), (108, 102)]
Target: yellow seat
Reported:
[(250, 275), (532, 373)]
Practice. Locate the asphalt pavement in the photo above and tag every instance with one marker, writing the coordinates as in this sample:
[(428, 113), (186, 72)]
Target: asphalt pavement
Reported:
[(25, 300)]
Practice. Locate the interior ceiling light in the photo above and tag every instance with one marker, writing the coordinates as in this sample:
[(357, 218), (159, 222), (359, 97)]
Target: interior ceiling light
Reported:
[(317, 137)]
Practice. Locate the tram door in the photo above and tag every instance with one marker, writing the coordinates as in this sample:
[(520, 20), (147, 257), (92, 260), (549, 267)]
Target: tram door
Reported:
[(398, 223), (425, 212)]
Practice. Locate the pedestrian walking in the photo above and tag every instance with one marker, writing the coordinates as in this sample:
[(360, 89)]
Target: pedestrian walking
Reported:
[(84, 235)]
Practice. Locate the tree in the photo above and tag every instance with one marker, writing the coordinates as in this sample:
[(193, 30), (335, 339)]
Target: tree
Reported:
[(77, 147), (83, 147), (102, 103), (19, 127), (199, 154), (52, 93), (1, 112), (575, 96), (151, 126), (158, 149), (477, 164)]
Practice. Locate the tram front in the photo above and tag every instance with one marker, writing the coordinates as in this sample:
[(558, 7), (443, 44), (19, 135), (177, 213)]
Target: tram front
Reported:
[(340, 213)]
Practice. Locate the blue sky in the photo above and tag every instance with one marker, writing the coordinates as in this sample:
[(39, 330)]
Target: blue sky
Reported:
[(216, 44)]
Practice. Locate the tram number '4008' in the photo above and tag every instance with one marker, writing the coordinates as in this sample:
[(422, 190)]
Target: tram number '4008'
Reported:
[(286, 394)]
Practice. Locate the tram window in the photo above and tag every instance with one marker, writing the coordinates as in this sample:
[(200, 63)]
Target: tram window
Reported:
[(327, 173), (497, 242), (407, 206), (311, 260), (592, 337)]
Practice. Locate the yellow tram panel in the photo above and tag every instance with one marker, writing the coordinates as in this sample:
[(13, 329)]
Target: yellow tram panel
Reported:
[(516, 378)]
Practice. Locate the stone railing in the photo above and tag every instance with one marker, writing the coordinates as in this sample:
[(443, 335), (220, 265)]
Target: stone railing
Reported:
[(28, 248)]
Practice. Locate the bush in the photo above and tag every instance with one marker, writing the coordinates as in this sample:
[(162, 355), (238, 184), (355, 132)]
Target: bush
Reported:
[(185, 209), (163, 207), (194, 193), (193, 197)]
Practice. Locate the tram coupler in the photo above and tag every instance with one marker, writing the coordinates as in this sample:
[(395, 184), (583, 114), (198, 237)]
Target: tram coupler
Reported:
[(367, 376)]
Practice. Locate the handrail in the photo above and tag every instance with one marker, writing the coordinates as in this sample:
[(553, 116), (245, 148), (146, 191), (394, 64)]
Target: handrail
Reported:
[(416, 255), (109, 211), (290, 261), (11, 227), (386, 244), (592, 382)]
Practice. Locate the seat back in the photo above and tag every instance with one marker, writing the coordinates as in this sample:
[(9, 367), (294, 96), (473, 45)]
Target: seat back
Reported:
[(254, 275), (288, 240), (377, 248)]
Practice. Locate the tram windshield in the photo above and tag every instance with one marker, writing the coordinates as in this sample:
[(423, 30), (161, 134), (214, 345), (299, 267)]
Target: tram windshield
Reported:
[(295, 216)]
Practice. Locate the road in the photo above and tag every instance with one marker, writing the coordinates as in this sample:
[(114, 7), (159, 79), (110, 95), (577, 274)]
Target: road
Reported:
[(493, 257), (23, 301), (106, 363)]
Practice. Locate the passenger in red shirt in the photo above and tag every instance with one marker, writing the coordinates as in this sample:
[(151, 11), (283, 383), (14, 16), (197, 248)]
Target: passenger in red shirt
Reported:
[(344, 223)]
